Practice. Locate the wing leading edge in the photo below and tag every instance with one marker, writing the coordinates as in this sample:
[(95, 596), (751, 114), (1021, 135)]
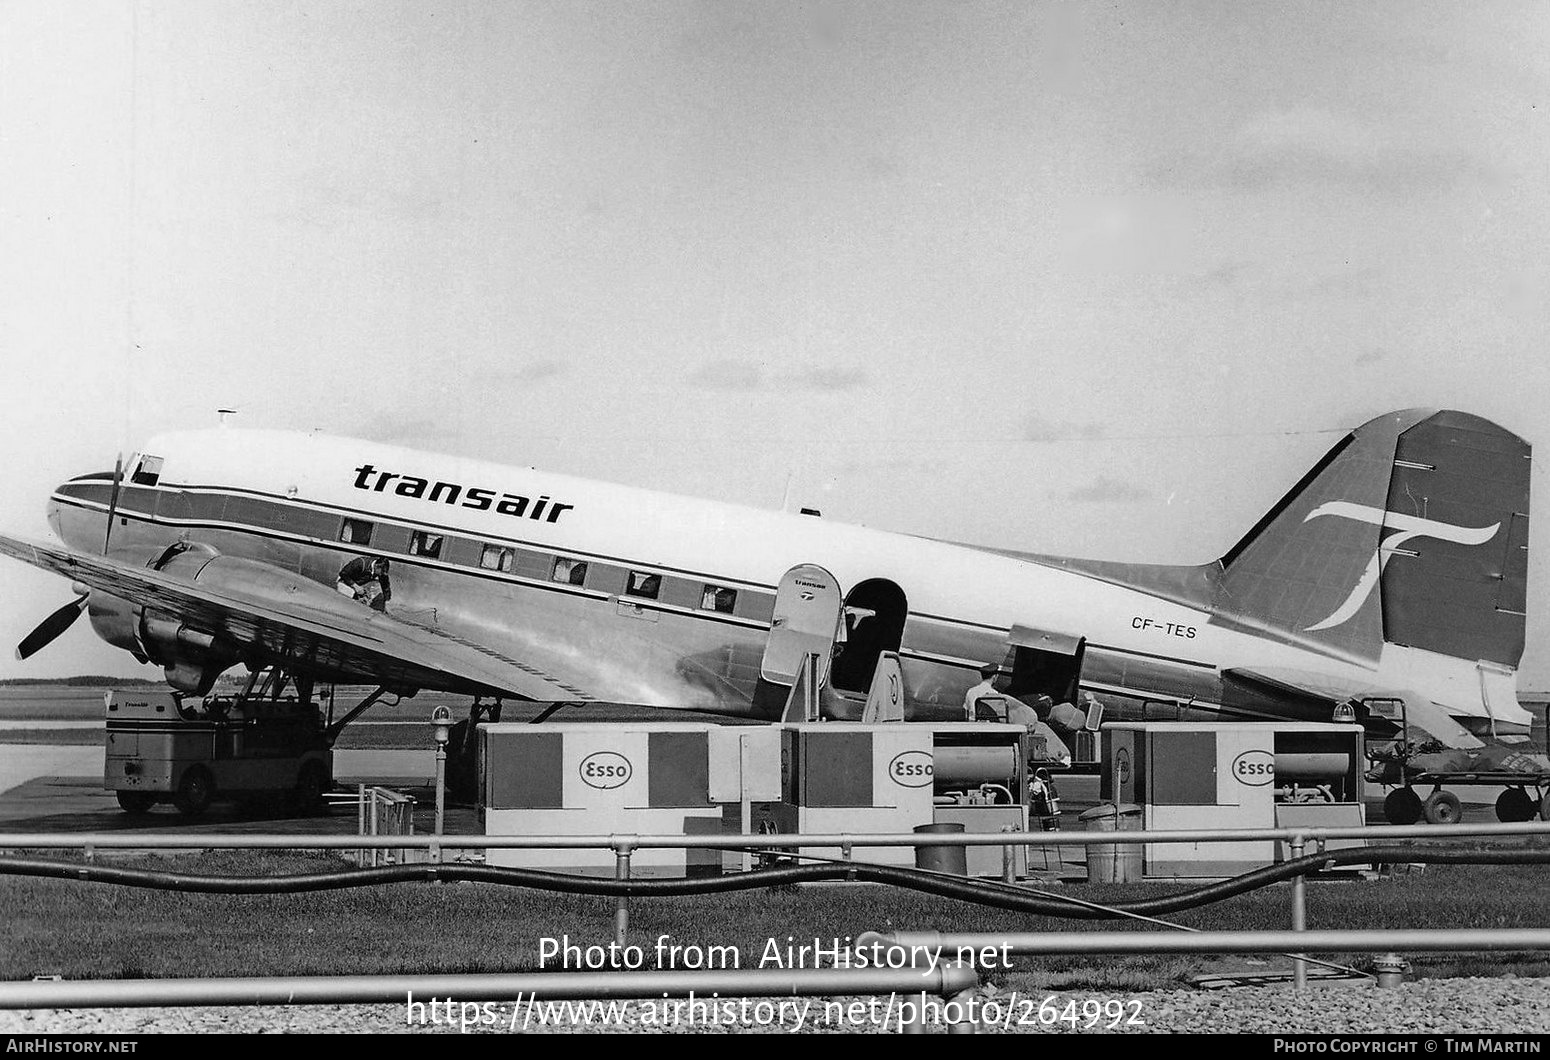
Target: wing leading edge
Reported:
[(267, 615)]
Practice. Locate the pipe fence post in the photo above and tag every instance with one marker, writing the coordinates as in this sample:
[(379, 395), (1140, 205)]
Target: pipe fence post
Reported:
[(622, 849), (962, 1001), (1297, 845)]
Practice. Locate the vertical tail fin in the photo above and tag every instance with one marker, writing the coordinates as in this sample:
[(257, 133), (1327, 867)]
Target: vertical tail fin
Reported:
[(1412, 531)]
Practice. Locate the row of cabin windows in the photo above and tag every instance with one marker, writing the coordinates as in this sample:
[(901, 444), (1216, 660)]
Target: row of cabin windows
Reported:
[(565, 571)]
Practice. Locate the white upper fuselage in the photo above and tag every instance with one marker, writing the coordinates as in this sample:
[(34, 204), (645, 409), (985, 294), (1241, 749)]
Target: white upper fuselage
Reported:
[(951, 589)]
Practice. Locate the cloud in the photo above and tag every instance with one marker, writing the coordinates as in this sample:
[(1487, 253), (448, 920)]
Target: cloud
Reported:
[(728, 375), (882, 168), (1044, 429), (824, 379), (1353, 283), (1229, 275), (536, 371), (418, 432), (1107, 490), (1249, 279), (1309, 145), (743, 375)]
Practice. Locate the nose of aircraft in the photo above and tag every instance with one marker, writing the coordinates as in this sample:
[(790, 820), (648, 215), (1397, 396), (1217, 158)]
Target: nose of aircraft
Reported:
[(80, 509)]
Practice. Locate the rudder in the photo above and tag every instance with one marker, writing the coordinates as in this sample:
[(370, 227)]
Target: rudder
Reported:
[(1412, 530)]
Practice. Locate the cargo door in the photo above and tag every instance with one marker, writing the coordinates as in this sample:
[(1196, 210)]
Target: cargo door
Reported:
[(1044, 663)]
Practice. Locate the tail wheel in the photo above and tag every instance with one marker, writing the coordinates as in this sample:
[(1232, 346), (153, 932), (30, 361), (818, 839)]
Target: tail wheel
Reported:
[(1442, 807), (1402, 806), (1515, 805), (136, 803), (195, 792)]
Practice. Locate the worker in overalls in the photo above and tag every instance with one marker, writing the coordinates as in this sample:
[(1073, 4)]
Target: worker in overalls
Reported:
[(365, 579)]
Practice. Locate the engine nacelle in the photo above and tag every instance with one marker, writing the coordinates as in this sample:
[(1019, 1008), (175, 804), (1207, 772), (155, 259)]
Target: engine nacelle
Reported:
[(190, 659)]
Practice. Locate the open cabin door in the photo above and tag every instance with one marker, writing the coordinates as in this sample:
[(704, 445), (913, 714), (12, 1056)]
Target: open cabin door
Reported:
[(806, 617)]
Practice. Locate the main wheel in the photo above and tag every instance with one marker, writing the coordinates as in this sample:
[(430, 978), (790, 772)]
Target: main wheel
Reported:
[(1402, 806), (1442, 807), (1515, 805), (306, 797), (136, 803), (195, 792)]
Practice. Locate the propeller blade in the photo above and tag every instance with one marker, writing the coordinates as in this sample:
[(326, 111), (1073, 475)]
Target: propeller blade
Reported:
[(51, 627), (118, 479)]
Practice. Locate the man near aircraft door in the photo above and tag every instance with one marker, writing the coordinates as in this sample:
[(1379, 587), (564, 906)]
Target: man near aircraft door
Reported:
[(986, 689), (366, 579)]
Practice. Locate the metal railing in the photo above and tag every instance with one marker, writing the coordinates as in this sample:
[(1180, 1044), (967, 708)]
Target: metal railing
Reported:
[(385, 812), (739, 841), (1298, 840), (949, 982)]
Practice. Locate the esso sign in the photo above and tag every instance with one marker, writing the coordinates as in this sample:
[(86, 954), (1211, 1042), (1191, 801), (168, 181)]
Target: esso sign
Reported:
[(912, 769), (606, 769), (1254, 768)]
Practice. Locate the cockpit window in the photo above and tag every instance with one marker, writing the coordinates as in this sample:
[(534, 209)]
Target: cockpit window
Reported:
[(147, 472)]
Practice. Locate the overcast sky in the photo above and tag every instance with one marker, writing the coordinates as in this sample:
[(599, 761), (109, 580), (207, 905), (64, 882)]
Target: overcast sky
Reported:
[(1102, 279)]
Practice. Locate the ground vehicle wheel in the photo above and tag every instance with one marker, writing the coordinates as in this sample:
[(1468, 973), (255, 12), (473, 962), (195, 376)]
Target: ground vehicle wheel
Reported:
[(1402, 806), (307, 796), (1515, 804), (195, 792), (136, 802), (1442, 807)]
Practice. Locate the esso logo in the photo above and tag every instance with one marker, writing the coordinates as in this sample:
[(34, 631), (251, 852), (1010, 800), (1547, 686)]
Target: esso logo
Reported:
[(1254, 768), (912, 769), (606, 769)]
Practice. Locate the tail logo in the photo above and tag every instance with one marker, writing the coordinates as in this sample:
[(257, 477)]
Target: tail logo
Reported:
[(1405, 528)]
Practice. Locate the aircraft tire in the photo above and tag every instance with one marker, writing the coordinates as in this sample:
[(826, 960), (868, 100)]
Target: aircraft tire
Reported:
[(195, 792), (1402, 806), (306, 798), (136, 803), (1442, 807), (1514, 805)]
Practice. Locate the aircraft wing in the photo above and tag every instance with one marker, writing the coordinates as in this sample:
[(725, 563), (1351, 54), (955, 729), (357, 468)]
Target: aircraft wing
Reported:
[(276, 617)]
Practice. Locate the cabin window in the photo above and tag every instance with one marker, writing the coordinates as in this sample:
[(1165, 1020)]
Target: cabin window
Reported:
[(424, 543), (355, 532), (718, 599), (496, 558), (149, 471), (569, 571), (646, 585)]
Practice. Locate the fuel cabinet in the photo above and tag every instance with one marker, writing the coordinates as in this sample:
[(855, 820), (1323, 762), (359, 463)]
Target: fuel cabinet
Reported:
[(1231, 775)]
